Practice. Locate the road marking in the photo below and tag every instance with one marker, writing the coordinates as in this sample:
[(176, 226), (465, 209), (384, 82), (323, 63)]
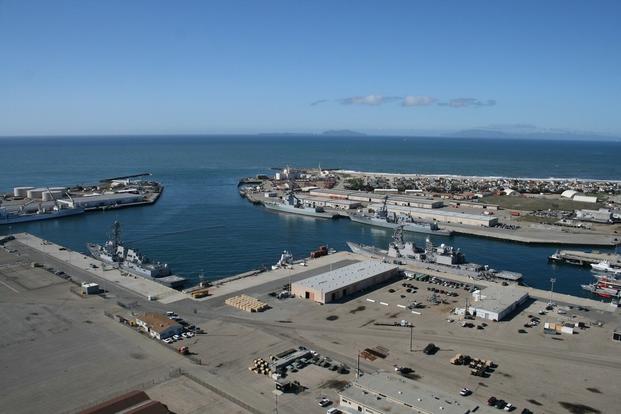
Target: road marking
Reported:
[(10, 287), (370, 300), (416, 313), (401, 306), (383, 303)]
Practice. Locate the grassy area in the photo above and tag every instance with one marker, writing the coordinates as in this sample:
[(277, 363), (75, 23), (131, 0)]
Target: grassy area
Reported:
[(526, 203)]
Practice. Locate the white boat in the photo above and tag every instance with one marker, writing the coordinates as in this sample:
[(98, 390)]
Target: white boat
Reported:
[(604, 266)]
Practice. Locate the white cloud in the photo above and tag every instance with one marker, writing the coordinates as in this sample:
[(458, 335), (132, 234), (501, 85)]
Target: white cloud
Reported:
[(467, 102), (412, 100), (373, 100)]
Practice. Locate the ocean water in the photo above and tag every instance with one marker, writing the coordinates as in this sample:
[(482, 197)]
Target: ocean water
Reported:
[(202, 225)]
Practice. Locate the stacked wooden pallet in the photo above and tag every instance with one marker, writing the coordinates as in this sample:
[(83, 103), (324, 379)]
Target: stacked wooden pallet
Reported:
[(260, 366), (247, 303)]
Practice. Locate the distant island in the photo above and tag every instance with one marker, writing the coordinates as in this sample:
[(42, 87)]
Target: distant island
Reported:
[(328, 133), (558, 135), (343, 133)]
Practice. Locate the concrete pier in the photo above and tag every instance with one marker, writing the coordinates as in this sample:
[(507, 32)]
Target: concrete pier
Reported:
[(138, 285), (586, 258)]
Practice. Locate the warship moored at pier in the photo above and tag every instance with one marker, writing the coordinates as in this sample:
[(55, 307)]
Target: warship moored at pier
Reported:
[(113, 252), (292, 204), (383, 218), (438, 258)]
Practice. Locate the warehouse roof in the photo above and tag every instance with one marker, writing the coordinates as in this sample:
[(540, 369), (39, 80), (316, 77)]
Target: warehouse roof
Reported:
[(134, 402), (345, 276), (390, 393), (498, 298), (157, 322), (585, 198), (414, 199), (325, 199), (569, 193), (332, 191), (439, 212)]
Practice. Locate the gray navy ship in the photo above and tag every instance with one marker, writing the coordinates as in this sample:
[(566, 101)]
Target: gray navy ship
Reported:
[(292, 204), (383, 218), (44, 211), (439, 258), (130, 260)]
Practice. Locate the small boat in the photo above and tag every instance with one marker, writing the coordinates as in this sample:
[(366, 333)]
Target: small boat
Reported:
[(604, 266)]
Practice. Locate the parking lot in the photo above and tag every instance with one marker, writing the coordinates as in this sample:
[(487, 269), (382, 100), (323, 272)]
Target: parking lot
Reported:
[(375, 319)]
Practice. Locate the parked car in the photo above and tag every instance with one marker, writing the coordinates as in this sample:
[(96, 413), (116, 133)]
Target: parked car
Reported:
[(492, 400), (333, 411), (509, 407), (324, 402), (464, 392)]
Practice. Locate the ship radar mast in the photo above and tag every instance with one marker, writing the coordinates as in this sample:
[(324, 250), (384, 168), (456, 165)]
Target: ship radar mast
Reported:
[(116, 235)]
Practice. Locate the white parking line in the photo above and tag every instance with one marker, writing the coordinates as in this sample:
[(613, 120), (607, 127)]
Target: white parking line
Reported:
[(401, 306), (10, 287), (416, 313), (370, 300), (383, 303)]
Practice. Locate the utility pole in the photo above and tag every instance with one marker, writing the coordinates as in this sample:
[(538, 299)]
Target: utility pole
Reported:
[(276, 394), (411, 336)]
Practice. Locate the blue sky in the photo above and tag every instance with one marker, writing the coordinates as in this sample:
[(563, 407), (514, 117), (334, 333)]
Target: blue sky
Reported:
[(115, 67)]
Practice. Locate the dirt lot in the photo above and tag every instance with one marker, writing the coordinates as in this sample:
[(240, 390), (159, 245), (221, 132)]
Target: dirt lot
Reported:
[(55, 340)]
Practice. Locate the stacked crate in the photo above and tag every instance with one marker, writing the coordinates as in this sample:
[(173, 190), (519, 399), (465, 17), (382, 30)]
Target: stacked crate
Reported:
[(246, 303)]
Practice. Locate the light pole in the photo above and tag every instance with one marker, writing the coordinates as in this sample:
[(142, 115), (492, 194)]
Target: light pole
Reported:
[(552, 280)]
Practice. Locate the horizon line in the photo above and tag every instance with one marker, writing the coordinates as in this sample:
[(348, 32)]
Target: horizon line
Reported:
[(353, 135)]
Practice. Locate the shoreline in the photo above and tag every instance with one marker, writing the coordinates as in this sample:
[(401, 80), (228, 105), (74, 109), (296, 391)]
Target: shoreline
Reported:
[(475, 177)]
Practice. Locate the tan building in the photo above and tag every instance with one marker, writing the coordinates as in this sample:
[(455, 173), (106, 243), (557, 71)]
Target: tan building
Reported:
[(158, 325), (337, 203), (339, 283), (442, 215)]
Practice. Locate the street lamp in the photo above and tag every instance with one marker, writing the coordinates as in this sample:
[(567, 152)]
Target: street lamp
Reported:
[(552, 280)]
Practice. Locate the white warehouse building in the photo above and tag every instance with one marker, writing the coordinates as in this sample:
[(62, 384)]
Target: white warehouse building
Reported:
[(336, 284), (495, 303)]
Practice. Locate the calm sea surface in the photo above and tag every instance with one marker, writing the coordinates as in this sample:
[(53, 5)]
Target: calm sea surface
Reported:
[(201, 224)]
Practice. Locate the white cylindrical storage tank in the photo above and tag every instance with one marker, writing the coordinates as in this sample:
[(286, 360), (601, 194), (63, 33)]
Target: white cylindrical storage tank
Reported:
[(62, 189), (21, 191), (35, 193), (52, 195)]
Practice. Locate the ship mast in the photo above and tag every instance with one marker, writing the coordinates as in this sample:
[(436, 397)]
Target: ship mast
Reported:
[(116, 235)]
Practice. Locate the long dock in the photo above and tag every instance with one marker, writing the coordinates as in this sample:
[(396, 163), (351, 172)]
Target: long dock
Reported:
[(532, 235), (137, 285), (581, 258)]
